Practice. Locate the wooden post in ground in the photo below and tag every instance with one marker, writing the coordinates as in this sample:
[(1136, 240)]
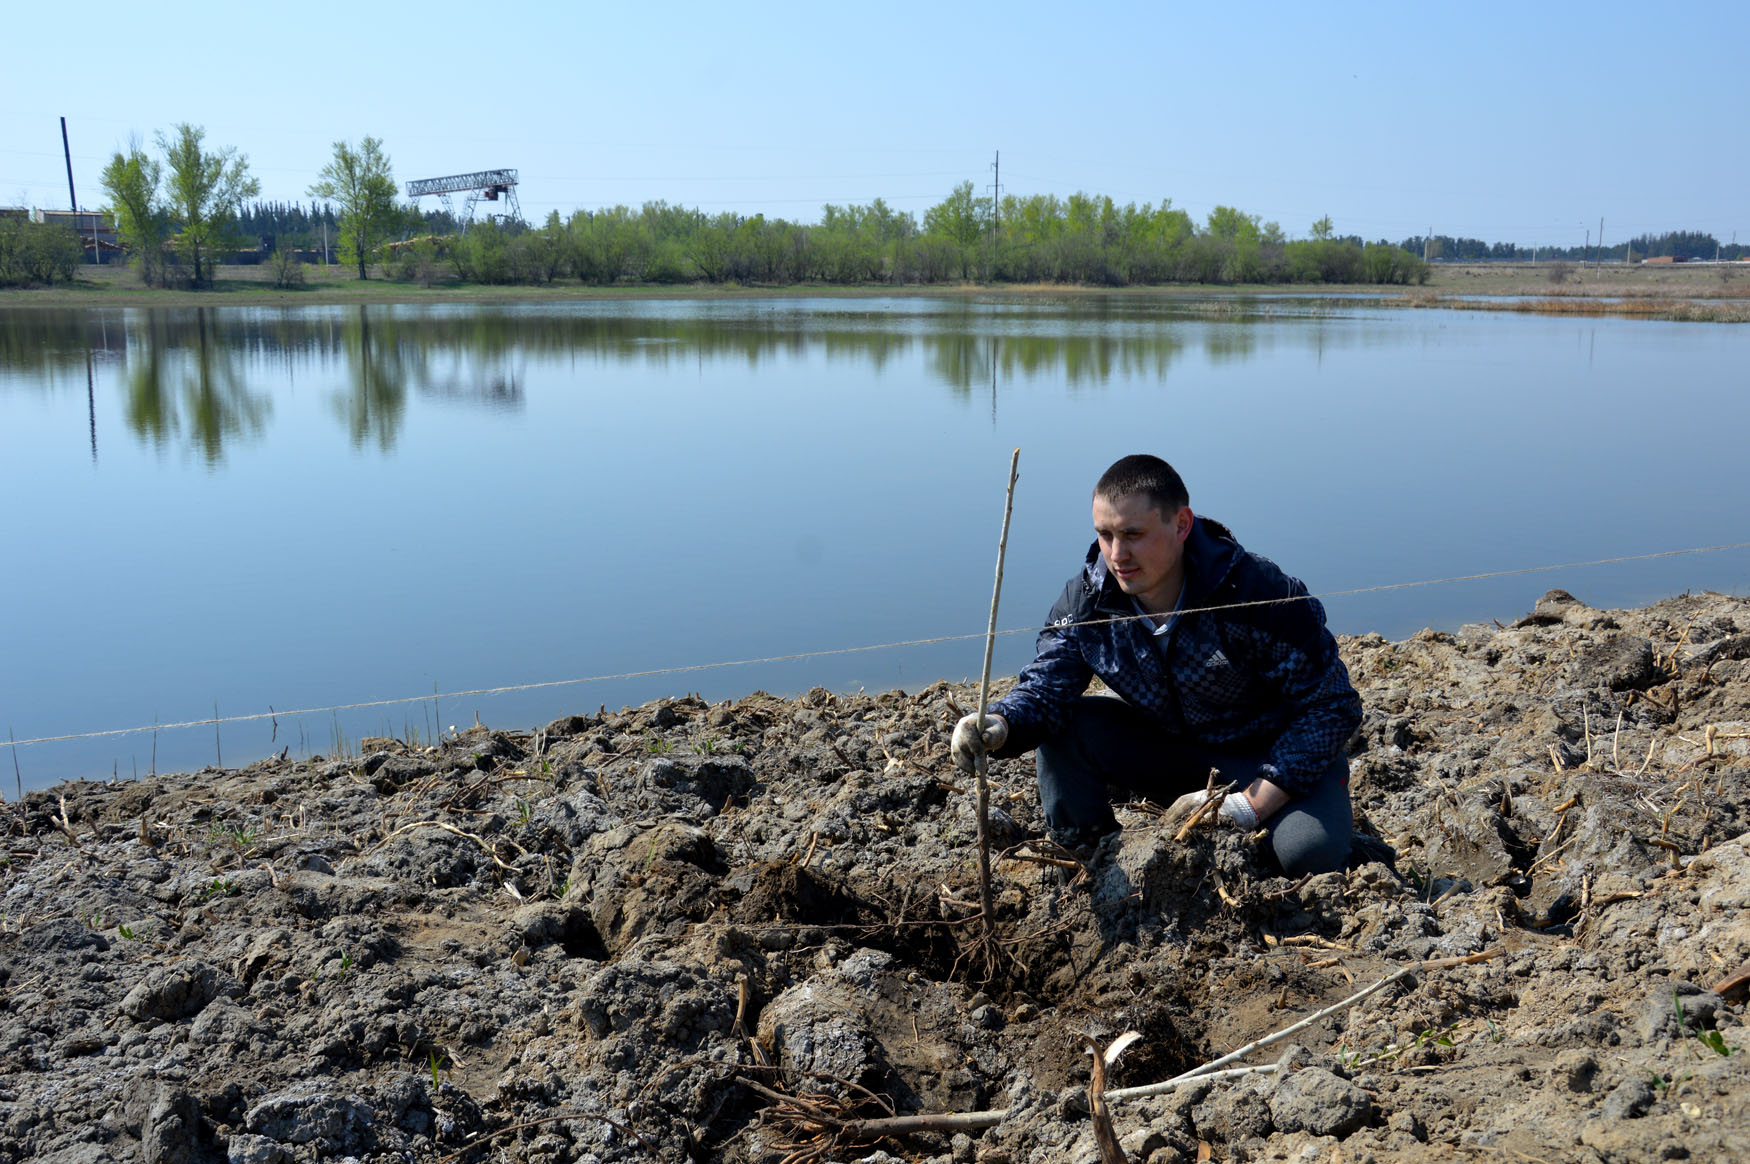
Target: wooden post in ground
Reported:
[(986, 899)]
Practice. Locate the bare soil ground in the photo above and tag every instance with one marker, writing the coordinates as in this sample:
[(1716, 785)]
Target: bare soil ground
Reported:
[(728, 932)]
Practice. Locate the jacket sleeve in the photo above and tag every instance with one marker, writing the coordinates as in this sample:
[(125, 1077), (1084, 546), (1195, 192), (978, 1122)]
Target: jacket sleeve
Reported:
[(1295, 657), (1038, 706)]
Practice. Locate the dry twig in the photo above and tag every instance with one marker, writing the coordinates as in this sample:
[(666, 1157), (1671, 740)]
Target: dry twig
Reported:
[(450, 828), (486, 1138), (64, 824), (1212, 798)]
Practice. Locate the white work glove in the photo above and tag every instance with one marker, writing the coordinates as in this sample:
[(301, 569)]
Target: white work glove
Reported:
[(967, 747), (1235, 808)]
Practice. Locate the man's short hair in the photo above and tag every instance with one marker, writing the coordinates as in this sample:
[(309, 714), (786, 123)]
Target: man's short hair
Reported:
[(1142, 473)]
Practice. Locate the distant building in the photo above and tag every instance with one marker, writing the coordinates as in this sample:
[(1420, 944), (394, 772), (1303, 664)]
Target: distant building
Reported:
[(95, 228)]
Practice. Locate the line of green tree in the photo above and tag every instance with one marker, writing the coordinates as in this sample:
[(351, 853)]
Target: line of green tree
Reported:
[(180, 207), (1676, 244), (1084, 239), (188, 206)]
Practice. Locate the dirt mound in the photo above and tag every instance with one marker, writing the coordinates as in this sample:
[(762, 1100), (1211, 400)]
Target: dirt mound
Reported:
[(746, 932)]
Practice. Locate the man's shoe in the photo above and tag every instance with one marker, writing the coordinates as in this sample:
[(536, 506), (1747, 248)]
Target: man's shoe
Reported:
[(1363, 849), (1083, 844)]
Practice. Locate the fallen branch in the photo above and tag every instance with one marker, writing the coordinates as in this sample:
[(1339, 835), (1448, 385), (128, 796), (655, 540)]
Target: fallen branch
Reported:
[(959, 1121), (1147, 1089), (830, 1131), (1309, 1020), (483, 1140), (972, 1121), (1042, 859), (1312, 940)]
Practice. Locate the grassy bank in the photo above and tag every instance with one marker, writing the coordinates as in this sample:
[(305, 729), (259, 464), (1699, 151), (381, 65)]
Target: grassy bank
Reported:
[(1663, 292), (1577, 280), (1677, 310)]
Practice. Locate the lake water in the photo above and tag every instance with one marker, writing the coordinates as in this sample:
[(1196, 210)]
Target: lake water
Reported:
[(245, 508)]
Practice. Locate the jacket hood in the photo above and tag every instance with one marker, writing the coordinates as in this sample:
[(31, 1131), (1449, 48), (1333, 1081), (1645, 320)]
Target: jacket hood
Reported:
[(1210, 554)]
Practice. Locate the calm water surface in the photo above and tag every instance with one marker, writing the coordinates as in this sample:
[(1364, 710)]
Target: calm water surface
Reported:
[(247, 508)]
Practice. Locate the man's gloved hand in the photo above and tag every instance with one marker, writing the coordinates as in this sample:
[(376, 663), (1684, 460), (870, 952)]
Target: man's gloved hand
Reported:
[(1237, 809), (1234, 808), (967, 747)]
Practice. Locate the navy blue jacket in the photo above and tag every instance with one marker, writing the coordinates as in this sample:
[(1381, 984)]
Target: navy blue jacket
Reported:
[(1263, 678)]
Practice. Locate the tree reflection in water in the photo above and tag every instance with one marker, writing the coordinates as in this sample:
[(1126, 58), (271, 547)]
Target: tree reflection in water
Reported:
[(189, 371), (379, 366), (181, 366)]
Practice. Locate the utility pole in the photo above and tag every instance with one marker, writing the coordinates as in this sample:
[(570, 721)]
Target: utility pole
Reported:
[(72, 198), (1600, 240), (996, 201)]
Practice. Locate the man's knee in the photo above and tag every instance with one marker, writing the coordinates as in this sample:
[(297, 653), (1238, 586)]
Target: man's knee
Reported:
[(1305, 845)]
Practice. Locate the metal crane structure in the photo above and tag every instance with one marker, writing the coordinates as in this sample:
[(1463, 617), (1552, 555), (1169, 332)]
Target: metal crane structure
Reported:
[(490, 185)]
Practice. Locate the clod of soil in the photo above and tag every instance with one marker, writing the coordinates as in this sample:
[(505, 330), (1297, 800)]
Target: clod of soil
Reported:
[(741, 931)]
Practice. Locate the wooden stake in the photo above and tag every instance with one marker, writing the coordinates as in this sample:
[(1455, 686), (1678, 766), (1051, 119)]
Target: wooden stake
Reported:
[(986, 899)]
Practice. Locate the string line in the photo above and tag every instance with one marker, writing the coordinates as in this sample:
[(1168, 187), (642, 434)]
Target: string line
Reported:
[(801, 655)]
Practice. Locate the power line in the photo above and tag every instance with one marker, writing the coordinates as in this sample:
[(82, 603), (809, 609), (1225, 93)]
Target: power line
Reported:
[(820, 654)]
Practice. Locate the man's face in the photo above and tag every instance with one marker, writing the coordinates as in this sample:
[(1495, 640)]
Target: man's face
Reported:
[(1144, 549)]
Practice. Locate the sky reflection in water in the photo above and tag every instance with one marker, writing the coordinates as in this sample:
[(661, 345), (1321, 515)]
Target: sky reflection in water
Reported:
[(299, 507)]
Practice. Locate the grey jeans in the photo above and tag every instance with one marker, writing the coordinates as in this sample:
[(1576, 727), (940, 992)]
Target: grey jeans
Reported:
[(1109, 745)]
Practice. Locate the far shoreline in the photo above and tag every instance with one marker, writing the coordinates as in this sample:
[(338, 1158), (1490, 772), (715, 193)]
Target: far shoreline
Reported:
[(1702, 292)]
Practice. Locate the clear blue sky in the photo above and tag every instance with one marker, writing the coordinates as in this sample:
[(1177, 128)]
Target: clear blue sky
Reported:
[(1521, 122)]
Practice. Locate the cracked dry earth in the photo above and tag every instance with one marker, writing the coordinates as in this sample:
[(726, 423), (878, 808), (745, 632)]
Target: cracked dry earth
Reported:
[(707, 932)]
